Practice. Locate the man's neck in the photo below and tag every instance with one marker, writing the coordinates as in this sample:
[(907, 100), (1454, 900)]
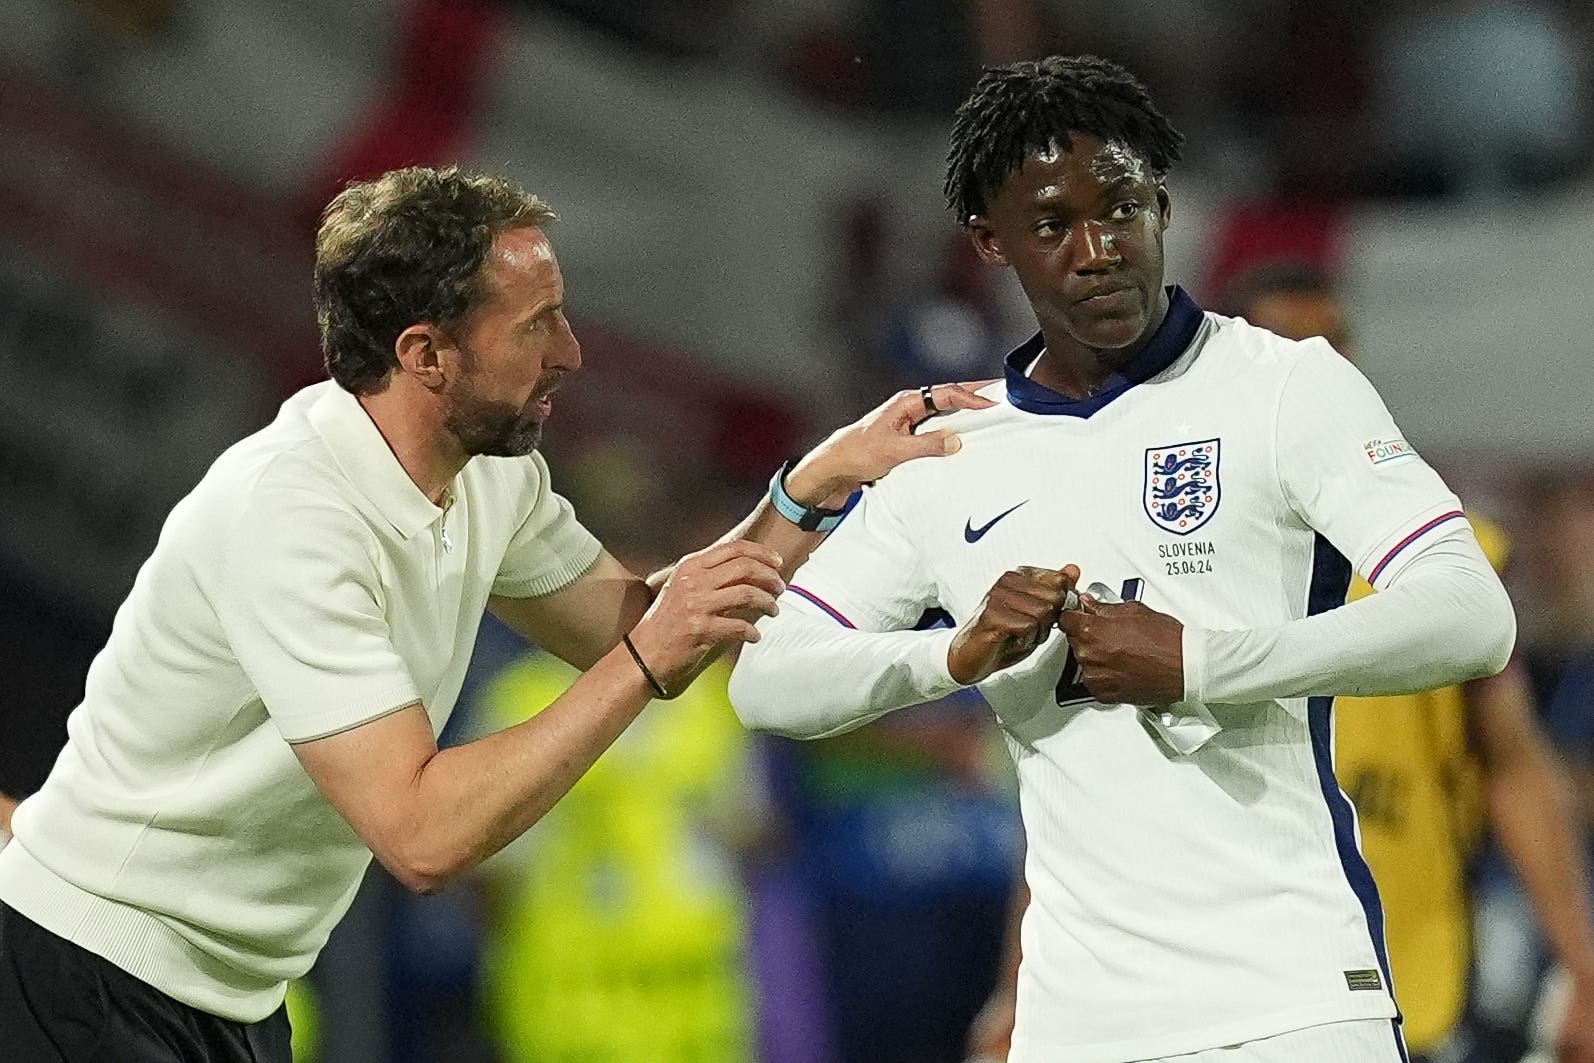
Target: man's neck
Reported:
[(416, 435), (1070, 368)]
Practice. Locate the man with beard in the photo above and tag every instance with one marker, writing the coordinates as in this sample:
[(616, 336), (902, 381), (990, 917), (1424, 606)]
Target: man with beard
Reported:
[(264, 716)]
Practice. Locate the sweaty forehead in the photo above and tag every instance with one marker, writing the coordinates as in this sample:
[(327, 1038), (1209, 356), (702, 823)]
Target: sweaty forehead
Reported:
[(522, 258), (1085, 169), (1115, 161), (524, 248)]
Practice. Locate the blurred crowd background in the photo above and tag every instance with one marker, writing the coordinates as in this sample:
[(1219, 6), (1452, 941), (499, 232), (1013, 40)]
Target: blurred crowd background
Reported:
[(756, 251)]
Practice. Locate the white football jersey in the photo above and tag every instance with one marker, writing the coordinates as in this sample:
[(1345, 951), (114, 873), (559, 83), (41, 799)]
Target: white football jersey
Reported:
[(1180, 902)]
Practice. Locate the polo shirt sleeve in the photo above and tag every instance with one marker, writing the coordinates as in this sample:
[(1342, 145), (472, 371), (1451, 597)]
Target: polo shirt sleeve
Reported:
[(1348, 472), (550, 548), (302, 605)]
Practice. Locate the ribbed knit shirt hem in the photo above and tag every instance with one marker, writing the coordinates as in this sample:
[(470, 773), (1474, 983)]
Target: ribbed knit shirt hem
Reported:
[(138, 942)]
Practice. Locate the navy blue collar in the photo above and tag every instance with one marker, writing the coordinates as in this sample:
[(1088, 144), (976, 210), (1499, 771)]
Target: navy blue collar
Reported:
[(1171, 339)]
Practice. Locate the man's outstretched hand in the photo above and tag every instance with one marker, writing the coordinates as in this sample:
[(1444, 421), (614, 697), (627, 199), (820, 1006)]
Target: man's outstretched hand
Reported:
[(885, 437), (1128, 653)]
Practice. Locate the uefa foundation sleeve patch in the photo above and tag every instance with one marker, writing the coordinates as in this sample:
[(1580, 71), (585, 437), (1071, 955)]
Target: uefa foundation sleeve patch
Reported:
[(1367, 979), (1382, 450)]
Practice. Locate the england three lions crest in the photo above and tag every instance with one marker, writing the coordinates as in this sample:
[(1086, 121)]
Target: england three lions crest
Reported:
[(1182, 489)]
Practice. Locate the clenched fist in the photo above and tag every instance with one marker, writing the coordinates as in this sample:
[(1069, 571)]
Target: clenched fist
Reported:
[(1016, 616), (1128, 653)]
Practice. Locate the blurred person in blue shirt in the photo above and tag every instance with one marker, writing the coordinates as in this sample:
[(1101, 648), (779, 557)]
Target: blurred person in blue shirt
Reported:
[(907, 836)]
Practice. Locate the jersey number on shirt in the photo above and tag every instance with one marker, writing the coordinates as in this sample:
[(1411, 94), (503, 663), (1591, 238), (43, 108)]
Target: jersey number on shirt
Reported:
[(1071, 687)]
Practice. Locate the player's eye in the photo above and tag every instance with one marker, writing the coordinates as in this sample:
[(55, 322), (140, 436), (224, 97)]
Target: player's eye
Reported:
[(1049, 228), (1125, 210)]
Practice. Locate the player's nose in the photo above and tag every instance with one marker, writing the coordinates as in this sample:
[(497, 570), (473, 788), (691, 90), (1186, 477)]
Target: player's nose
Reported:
[(1096, 249)]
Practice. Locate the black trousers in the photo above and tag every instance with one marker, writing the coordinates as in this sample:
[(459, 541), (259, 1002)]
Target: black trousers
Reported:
[(63, 1004)]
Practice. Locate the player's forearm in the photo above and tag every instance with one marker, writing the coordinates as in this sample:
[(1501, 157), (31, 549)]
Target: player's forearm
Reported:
[(808, 677), (1445, 620), (817, 481), (767, 527), (1529, 801), (764, 525), (472, 800)]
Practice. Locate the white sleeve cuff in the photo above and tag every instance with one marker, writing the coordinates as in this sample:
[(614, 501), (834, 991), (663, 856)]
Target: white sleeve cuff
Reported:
[(1194, 652), (932, 676)]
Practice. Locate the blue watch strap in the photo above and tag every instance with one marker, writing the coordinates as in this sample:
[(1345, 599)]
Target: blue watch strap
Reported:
[(807, 518)]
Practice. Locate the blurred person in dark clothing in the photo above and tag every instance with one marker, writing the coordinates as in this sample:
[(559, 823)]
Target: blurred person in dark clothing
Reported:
[(1556, 573), (1560, 647), (46, 676), (913, 57), (1560, 621)]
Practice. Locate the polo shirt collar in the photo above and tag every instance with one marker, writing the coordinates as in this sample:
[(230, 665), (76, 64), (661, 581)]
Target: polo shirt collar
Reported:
[(369, 463), (1172, 338)]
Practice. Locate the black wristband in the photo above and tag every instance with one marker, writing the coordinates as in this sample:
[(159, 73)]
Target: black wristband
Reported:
[(658, 687)]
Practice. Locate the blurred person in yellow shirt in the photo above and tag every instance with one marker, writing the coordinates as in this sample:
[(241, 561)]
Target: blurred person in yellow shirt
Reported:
[(1427, 771), (618, 924)]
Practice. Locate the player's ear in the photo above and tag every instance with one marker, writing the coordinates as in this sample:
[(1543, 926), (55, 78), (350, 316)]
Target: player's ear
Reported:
[(1164, 204), (986, 243), (419, 352)]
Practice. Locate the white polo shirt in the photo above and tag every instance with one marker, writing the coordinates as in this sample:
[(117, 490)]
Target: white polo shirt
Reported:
[(304, 587)]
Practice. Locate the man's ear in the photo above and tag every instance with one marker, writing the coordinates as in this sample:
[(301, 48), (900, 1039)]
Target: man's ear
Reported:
[(418, 349), (1164, 204), (986, 243)]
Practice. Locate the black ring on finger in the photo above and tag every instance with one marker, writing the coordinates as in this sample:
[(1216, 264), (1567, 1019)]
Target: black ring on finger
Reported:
[(928, 395)]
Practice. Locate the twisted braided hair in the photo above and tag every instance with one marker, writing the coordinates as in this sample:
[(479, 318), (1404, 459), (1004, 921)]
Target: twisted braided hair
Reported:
[(1030, 106)]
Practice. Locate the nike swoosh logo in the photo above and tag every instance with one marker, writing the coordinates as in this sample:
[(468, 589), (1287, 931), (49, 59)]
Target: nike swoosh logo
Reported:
[(971, 534)]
